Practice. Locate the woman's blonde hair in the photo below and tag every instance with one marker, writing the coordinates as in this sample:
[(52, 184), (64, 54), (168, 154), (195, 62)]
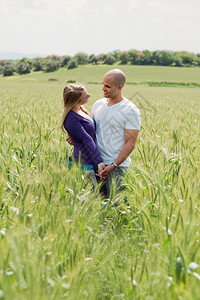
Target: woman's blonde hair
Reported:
[(72, 95)]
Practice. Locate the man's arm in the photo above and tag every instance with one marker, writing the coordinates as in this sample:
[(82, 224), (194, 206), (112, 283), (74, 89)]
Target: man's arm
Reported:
[(69, 140), (130, 136)]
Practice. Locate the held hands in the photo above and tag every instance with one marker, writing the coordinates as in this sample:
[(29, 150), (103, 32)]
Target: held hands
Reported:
[(103, 171), (106, 171)]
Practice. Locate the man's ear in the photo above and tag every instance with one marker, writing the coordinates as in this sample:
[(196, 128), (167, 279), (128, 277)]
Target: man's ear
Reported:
[(120, 87)]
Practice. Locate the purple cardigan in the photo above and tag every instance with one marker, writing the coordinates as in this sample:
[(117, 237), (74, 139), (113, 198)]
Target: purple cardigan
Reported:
[(82, 133)]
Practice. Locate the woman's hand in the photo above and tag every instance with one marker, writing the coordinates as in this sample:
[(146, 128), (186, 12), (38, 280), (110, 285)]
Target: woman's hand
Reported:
[(101, 167)]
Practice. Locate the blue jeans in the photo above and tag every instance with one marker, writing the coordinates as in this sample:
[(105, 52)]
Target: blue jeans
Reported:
[(89, 169), (113, 180)]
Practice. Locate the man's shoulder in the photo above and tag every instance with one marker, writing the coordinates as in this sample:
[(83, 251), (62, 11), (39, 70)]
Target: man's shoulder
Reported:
[(99, 102), (102, 100), (131, 115), (126, 101), (129, 104)]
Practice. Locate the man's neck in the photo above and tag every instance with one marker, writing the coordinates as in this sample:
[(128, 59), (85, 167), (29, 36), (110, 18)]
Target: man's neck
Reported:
[(113, 101)]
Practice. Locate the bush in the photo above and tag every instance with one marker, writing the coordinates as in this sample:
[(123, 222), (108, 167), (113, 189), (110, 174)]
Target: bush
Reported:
[(71, 81), (52, 65), (82, 58), (178, 62), (38, 64), (53, 57), (65, 60), (188, 59), (116, 54), (23, 68), (93, 59), (72, 64), (110, 59), (3, 62), (198, 59), (102, 57), (9, 69), (146, 59), (166, 58), (132, 56), (123, 57), (1, 69)]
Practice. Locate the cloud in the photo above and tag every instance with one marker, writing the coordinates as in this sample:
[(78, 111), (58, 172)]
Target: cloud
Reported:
[(97, 26), (48, 8), (176, 7)]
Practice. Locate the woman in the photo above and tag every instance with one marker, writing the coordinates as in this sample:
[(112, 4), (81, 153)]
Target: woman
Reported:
[(81, 128)]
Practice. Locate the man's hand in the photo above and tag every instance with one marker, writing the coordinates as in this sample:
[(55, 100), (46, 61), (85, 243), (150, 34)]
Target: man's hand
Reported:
[(130, 139), (69, 140), (106, 171), (101, 167)]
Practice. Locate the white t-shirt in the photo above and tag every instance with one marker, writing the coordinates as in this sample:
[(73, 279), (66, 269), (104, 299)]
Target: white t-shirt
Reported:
[(111, 121)]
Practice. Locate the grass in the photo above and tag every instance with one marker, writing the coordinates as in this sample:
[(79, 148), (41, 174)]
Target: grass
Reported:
[(57, 239)]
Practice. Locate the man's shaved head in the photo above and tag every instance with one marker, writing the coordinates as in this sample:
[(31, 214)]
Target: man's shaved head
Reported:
[(118, 76)]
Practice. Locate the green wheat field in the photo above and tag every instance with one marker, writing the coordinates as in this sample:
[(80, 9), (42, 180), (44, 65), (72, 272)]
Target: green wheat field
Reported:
[(58, 238)]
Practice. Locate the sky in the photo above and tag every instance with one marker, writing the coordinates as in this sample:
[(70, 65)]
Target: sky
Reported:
[(65, 27)]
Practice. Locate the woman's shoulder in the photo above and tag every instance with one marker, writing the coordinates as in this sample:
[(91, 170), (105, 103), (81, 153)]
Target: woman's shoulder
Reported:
[(72, 115), (70, 118)]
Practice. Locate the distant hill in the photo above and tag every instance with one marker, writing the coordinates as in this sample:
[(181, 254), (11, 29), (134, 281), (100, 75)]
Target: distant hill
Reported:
[(17, 55)]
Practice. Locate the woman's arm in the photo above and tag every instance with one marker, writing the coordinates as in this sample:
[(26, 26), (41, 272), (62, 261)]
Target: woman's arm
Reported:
[(77, 131)]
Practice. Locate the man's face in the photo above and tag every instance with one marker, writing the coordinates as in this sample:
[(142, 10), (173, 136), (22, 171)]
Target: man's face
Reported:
[(109, 88)]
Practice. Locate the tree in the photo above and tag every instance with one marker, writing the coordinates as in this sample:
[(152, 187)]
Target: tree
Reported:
[(123, 57), (155, 57), (198, 59), (116, 54), (9, 69), (82, 58), (110, 59), (27, 61), (139, 58), (93, 59), (189, 59), (3, 62), (132, 56), (147, 58), (53, 57), (52, 65), (23, 68), (72, 64), (102, 57), (166, 58), (38, 64), (65, 60), (178, 61)]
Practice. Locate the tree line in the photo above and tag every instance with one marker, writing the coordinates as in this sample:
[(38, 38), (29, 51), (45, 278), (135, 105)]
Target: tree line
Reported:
[(132, 57)]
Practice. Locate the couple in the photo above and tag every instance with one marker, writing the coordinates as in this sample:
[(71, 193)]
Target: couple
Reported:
[(103, 141)]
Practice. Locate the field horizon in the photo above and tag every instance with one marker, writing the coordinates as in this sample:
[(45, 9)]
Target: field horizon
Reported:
[(89, 73)]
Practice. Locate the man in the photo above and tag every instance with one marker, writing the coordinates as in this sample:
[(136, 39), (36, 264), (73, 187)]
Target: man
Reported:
[(117, 126)]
